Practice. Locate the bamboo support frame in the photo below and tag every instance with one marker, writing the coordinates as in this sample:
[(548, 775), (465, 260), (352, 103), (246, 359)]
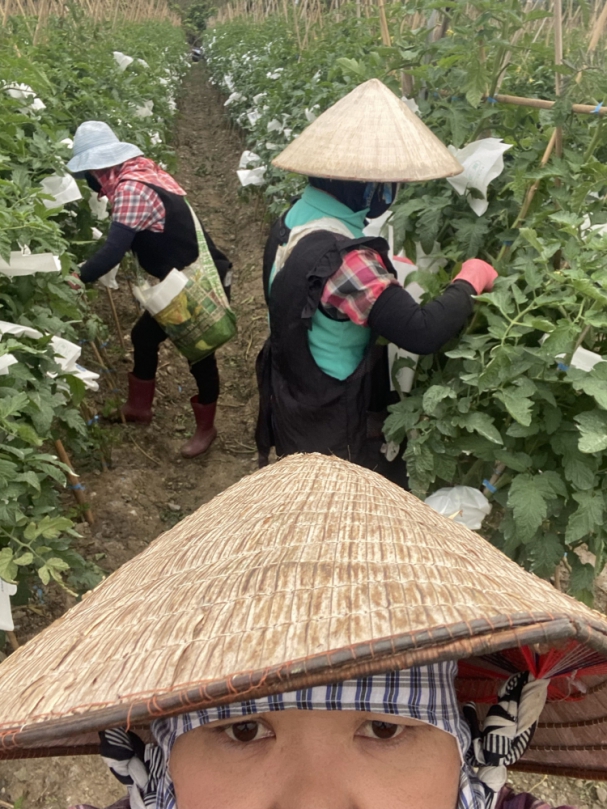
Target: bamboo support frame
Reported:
[(75, 485)]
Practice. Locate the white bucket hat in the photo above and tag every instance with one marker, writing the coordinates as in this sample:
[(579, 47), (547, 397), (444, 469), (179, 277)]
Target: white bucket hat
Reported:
[(97, 147)]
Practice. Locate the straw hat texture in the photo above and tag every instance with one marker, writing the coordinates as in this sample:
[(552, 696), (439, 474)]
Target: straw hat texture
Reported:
[(306, 572), (369, 135)]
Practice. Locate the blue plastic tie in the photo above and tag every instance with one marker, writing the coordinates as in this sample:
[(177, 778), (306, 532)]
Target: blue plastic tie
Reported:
[(488, 485), (77, 487), (115, 390), (562, 367), (507, 242), (92, 421), (492, 100), (103, 345), (179, 388), (597, 109)]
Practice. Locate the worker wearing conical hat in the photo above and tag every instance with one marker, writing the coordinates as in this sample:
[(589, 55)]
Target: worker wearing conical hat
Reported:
[(308, 639), (331, 292)]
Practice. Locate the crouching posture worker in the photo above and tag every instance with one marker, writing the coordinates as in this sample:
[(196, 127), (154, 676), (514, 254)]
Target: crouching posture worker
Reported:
[(150, 217), (316, 638), (332, 292)]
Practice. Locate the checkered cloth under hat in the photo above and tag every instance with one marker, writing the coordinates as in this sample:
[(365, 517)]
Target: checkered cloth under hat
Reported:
[(426, 694)]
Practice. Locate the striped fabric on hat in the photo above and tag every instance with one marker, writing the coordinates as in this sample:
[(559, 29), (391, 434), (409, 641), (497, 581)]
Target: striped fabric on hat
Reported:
[(423, 693)]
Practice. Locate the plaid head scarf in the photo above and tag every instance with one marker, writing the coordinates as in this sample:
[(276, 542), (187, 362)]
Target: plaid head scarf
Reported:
[(426, 694)]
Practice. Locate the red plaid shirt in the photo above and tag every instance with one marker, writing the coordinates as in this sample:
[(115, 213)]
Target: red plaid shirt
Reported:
[(351, 292), (137, 206)]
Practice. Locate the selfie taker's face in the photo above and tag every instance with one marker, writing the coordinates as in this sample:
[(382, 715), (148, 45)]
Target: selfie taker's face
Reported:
[(296, 759)]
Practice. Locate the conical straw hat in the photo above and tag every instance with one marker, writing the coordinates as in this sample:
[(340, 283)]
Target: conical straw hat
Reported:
[(309, 571), (369, 135)]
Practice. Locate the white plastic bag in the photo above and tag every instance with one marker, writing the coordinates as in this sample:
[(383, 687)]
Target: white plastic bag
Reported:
[(584, 360), (411, 103), (483, 161), (232, 98), (461, 503), (64, 189), (6, 618), (122, 60)]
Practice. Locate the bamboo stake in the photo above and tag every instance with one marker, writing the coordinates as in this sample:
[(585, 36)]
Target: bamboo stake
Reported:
[(12, 639), (558, 61), (598, 29), (543, 104), (75, 486), (383, 22), (115, 316)]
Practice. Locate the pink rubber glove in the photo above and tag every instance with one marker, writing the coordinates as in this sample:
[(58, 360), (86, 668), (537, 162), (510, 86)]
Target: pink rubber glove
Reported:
[(478, 274)]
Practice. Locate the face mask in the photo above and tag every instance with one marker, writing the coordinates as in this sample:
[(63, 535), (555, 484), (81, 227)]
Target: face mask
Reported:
[(92, 182), (379, 197)]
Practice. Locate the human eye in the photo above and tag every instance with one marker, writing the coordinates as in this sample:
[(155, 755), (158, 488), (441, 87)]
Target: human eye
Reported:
[(377, 729), (247, 731)]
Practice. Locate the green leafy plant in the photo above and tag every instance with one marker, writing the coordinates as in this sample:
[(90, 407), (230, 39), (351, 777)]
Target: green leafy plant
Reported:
[(508, 399), (73, 72)]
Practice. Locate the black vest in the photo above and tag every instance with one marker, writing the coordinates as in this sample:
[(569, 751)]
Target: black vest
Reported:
[(302, 409), (177, 246)]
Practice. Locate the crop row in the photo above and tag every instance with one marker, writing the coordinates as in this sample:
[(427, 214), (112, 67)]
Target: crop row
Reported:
[(76, 72), (519, 402)]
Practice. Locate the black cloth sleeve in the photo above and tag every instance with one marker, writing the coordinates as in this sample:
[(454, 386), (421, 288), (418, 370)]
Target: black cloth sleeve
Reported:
[(421, 329), (118, 242)]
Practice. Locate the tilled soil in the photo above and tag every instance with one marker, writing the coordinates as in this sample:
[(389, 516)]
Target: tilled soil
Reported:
[(149, 487)]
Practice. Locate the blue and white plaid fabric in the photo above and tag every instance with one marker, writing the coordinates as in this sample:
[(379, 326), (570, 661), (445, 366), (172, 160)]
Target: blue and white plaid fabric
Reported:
[(426, 694)]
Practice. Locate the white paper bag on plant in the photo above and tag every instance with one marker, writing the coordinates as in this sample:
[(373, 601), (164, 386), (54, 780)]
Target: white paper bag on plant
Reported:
[(98, 206), (252, 176), (6, 618), (6, 360), (145, 110), (122, 60), (432, 261), (247, 159), (64, 189), (23, 263), (483, 161), (462, 503)]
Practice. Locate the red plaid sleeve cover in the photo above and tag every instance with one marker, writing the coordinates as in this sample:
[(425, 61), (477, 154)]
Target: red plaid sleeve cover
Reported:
[(138, 206), (351, 292)]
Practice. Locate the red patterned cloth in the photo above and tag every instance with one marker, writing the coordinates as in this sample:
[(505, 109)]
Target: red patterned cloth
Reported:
[(134, 204), (351, 292)]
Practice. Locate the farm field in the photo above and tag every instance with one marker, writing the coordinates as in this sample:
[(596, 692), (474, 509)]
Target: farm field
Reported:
[(508, 408)]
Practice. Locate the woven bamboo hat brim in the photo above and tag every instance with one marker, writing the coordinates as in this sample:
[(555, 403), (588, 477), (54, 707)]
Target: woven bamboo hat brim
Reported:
[(369, 135), (308, 571)]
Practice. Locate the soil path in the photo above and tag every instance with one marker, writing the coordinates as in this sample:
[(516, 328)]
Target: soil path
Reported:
[(138, 498)]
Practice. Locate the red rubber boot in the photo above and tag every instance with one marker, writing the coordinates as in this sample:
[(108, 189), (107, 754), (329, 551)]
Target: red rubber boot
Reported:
[(205, 431), (138, 406)]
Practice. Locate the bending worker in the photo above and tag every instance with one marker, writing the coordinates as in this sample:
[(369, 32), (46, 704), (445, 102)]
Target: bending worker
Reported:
[(151, 217), (331, 292)]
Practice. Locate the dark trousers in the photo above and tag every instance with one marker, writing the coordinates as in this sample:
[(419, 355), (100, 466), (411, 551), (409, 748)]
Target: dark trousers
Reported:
[(146, 336)]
